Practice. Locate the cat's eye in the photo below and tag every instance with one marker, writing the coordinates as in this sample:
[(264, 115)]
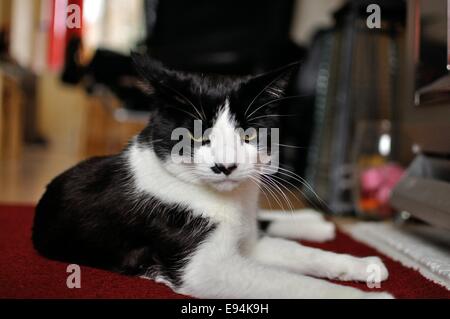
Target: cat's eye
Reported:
[(203, 140), (247, 138)]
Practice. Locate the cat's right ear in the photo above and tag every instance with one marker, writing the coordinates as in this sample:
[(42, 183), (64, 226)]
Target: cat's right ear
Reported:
[(151, 71), (158, 78)]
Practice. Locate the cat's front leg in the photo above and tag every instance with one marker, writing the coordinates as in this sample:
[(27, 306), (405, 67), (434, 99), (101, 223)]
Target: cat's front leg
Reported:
[(316, 262), (238, 277), (216, 272)]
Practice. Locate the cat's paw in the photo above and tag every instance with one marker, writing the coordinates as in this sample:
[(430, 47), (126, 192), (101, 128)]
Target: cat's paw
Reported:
[(375, 266), (368, 269)]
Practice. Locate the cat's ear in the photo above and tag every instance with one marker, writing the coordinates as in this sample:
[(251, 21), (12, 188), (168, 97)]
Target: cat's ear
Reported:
[(271, 84), (149, 70), (155, 76)]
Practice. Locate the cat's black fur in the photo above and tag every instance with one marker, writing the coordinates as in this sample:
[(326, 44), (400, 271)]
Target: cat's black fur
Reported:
[(88, 216), (93, 214)]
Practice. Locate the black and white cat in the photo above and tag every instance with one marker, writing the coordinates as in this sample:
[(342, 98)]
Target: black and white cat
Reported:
[(193, 224)]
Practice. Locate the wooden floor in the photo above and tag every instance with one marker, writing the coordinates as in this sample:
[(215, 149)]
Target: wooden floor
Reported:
[(23, 180), (75, 126)]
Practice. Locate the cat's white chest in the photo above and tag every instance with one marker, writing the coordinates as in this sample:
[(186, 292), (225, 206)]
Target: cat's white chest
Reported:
[(233, 207)]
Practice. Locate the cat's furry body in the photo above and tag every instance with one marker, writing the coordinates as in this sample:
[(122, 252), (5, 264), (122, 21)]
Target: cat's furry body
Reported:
[(187, 226)]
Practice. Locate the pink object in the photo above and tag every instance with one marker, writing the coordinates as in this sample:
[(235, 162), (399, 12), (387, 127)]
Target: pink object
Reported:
[(382, 195), (371, 179), (378, 182)]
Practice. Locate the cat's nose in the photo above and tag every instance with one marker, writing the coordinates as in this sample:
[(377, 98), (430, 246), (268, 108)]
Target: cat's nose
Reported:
[(220, 168)]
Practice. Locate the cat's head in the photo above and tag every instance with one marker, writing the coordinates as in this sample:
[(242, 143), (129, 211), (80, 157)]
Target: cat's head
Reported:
[(209, 129)]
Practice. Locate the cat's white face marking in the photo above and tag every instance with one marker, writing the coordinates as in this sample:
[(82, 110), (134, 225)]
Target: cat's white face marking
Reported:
[(226, 161), (226, 149)]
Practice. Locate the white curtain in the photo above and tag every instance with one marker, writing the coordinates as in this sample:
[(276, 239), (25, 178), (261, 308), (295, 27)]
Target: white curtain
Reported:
[(114, 24)]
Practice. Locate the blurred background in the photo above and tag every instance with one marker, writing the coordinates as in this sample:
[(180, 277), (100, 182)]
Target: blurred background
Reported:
[(368, 129)]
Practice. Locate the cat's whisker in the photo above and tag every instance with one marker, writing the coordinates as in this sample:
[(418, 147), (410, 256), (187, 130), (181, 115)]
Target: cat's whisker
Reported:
[(280, 188), (302, 181), (275, 101), (264, 192), (270, 115), (196, 110), (289, 190), (257, 182), (179, 94), (273, 183), (305, 183), (296, 188), (269, 182), (262, 91), (285, 187), (272, 193), (291, 146), (201, 103), (186, 112), (185, 98)]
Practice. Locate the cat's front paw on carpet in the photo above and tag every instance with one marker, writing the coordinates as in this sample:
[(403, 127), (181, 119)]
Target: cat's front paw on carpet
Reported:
[(367, 269)]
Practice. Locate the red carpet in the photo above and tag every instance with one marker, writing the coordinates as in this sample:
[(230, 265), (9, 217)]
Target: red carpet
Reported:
[(25, 274)]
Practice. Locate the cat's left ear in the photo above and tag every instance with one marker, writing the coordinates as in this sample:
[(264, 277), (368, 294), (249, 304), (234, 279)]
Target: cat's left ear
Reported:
[(271, 84)]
